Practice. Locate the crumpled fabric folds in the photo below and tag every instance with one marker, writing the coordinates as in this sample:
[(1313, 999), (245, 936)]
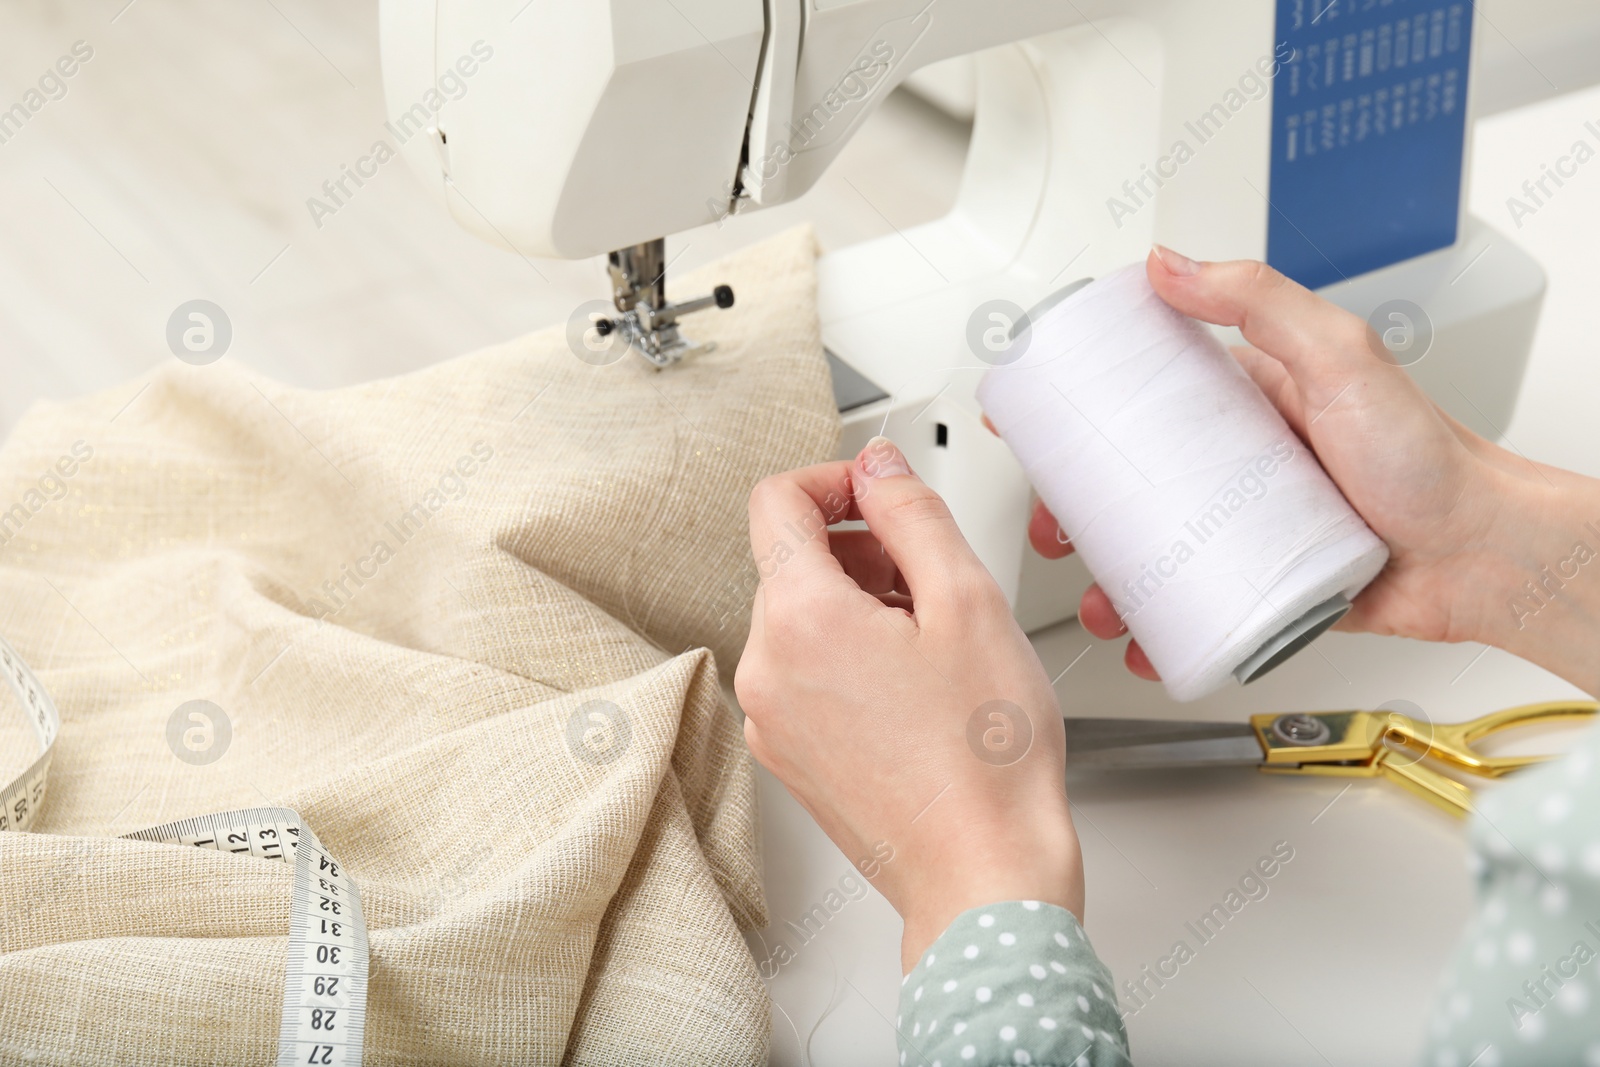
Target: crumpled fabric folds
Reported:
[(468, 622)]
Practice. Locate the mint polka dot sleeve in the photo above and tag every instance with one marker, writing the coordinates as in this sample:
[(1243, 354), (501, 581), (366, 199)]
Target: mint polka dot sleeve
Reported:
[(1524, 984), (1011, 983)]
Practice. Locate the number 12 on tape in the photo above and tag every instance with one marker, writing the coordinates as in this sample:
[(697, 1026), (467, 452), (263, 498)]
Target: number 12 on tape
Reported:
[(325, 986)]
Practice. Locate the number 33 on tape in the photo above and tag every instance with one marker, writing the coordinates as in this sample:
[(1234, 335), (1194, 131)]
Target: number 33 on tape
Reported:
[(325, 983)]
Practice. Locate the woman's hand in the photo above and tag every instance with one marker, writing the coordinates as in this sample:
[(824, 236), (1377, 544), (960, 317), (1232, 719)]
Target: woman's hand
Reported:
[(1467, 522), (886, 684)]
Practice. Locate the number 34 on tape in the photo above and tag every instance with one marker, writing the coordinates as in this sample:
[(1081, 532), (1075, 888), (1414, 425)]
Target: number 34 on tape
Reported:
[(325, 983)]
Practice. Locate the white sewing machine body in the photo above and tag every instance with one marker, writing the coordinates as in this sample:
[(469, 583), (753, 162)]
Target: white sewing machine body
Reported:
[(1328, 138)]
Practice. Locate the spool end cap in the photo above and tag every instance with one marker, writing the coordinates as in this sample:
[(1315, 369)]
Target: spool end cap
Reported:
[(1292, 638)]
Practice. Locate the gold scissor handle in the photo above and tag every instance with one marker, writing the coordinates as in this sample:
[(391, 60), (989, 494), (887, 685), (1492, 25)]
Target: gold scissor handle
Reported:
[(1452, 742), (1438, 789), (1369, 743)]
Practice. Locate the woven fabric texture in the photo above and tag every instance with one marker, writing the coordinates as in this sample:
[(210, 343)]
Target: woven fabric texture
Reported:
[(404, 599)]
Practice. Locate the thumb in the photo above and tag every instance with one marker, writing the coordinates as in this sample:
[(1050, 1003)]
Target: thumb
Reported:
[(911, 521), (1324, 348)]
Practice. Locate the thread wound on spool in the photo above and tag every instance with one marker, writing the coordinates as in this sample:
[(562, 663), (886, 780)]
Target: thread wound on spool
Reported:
[(1209, 524)]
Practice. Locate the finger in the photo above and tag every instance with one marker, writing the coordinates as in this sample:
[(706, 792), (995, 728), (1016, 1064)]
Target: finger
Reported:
[(1046, 535), (1139, 663), (912, 522), (1099, 616), (866, 562), (1044, 532), (789, 518), (1325, 348)]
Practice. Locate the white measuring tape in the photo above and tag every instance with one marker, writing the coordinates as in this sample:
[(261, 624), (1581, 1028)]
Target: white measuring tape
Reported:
[(325, 985), (21, 799)]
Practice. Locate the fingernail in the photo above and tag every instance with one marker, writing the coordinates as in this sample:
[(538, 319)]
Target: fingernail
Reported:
[(881, 459), (1176, 262)]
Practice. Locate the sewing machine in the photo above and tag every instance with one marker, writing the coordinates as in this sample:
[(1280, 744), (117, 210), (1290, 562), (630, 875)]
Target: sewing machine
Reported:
[(1327, 137)]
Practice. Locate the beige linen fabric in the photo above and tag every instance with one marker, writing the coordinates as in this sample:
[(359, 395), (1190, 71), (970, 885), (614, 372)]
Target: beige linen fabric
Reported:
[(552, 533)]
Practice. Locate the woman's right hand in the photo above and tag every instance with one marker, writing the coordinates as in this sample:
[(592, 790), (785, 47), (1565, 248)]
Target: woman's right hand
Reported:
[(1467, 522)]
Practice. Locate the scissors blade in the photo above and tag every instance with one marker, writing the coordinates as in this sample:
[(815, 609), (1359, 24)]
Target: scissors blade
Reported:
[(1131, 744)]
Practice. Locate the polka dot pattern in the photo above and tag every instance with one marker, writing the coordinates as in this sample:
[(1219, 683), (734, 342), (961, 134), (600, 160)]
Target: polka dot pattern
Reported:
[(1025, 987), (1535, 861)]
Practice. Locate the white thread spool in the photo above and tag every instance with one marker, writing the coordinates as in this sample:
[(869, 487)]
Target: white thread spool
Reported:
[(1220, 539)]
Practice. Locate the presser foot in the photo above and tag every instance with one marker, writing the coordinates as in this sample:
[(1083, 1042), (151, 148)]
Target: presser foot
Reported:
[(644, 318), (661, 344)]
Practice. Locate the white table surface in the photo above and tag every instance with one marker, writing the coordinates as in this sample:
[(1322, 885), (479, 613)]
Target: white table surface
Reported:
[(178, 166)]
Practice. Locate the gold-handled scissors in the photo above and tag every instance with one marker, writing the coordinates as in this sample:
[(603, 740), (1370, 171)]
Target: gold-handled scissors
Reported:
[(1350, 744)]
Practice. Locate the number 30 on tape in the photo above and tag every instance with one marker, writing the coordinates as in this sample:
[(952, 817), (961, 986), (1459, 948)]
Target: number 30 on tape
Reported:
[(325, 983)]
